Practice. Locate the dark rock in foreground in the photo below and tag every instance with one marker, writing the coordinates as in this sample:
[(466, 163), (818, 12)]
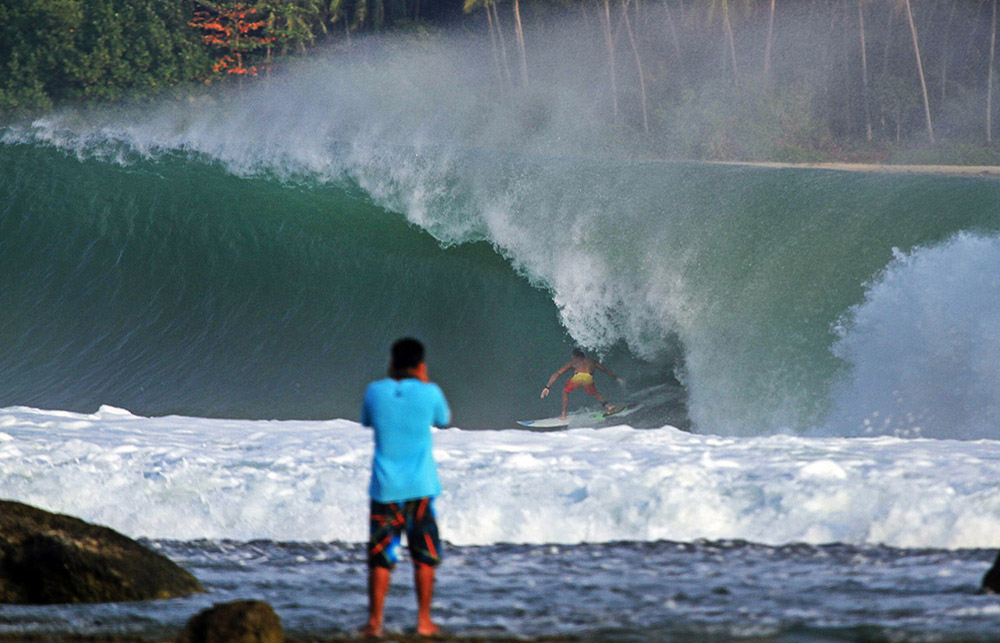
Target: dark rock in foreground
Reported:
[(991, 581), (236, 622), (50, 558)]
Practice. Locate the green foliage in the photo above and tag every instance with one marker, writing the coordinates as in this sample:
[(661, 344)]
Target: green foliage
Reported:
[(816, 101), (53, 51), (894, 99), (56, 50)]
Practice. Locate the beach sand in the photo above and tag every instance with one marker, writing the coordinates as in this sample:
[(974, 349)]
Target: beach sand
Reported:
[(990, 171)]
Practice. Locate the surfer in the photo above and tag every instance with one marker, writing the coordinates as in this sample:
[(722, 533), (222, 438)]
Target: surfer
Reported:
[(401, 409), (583, 376)]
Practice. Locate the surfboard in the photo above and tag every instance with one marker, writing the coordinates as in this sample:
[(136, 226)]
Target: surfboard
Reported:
[(546, 423), (579, 418)]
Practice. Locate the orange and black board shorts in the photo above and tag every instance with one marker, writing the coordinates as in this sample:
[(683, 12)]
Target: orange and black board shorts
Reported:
[(388, 521)]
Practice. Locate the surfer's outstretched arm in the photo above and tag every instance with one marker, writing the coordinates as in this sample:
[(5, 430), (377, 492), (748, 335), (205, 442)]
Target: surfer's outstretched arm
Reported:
[(555, 376), (608, 371)]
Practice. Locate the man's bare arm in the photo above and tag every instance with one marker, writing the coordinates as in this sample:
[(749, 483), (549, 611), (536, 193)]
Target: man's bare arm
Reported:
[(608, 371), (605, 369), (555, 376)]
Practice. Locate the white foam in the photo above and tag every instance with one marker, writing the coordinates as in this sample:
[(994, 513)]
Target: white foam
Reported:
[(924, 346), (189, 478)]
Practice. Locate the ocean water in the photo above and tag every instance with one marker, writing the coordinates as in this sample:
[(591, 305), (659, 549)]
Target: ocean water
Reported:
[(613, 533), (194, 294)]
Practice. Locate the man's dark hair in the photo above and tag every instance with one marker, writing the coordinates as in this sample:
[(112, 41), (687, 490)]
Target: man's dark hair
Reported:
[(577, 352), (407, 353)]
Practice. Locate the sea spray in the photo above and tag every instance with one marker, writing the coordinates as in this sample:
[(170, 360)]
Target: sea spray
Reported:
[(923, 349), (734, 278)]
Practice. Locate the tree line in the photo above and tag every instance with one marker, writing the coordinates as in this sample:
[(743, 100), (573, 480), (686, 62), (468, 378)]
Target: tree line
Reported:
[(786, 78), (55, 51), (703, 78)]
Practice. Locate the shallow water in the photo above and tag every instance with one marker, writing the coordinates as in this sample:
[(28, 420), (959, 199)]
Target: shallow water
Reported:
[(722, 590)]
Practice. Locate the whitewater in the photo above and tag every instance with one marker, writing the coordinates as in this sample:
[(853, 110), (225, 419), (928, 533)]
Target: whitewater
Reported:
[(194, 293), (187, 478), (611, 533)]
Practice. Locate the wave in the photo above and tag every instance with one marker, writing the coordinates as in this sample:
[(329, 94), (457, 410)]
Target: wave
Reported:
[(731, 279)]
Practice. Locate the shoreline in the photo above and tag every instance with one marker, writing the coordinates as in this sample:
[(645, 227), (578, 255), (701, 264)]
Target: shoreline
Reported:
[(987, 171)]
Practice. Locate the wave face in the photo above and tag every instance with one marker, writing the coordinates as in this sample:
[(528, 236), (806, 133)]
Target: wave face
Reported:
[(173, 287), (218, 256)]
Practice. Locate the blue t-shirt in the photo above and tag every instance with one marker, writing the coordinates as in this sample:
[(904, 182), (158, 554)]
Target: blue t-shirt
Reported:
[(402, 413)]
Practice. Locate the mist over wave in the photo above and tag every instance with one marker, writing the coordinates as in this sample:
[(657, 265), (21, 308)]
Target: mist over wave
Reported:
[(923, 349), (737, 276)]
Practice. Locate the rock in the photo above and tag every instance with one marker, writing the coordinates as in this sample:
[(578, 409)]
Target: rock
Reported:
[(50, 558), (991, 581), (236, 622)]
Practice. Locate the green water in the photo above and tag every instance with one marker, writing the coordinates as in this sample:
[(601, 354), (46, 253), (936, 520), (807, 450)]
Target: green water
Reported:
[(174, 287), (171, 284)]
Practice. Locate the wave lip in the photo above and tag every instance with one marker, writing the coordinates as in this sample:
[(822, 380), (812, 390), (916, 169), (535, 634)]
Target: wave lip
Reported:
[(191, 478)]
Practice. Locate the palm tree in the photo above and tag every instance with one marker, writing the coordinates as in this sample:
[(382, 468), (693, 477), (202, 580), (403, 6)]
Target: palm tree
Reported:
[(864, 69), (989, 77), (610, 42), (519, 32), (638, 64), (767, 47), (723, 7), (944, 58), (496, 35), (920, 69), (471, 5), (673, 30)]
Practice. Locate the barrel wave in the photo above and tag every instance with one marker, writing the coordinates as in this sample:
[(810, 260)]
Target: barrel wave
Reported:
[(170, 286), (252, 255)]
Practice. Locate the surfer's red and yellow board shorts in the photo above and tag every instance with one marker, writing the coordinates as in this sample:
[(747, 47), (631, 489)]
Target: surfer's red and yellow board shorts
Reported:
[(586, 380), (388, 521)]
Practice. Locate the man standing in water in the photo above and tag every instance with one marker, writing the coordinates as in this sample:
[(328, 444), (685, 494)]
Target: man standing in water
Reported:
[(583, 368), (401, 409)]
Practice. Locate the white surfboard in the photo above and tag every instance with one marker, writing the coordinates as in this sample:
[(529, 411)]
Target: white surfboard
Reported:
[(546, 423), (580, 418)]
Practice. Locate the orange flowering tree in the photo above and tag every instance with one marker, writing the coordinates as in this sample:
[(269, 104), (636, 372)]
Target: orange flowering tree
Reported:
[(235, 30)]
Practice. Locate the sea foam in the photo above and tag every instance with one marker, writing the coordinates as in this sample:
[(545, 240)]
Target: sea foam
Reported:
[(189, 478)]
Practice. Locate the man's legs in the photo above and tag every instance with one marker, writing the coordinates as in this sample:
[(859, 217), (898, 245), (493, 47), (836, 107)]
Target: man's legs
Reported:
[(592, 391), (423, 581), (378, 587), (565, 401)]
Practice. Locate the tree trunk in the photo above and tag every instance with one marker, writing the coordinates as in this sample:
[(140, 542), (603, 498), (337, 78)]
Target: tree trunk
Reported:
[(920, 71), (638, 64), (611, 59), (989, 77), (503, 46), (519, 31), (944, 57), (673, 32), (732, 41), (767, 47), (864, 70), (497, 67), (888, 38)]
